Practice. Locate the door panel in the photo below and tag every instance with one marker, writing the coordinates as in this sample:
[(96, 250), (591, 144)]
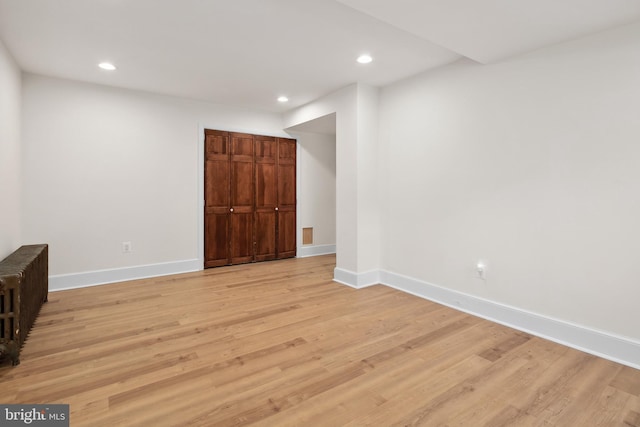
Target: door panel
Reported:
[(216, 238), (241, 170), (265, 226), (242, 198), (286, 234), (287, 151), (216, 176), (216, 209), (241, 235), (266, 195), (241, 184), (286, 187), (266, 198), (242, 146)]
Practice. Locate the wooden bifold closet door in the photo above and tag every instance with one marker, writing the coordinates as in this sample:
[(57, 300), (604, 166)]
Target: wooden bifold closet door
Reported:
[(250, 198), (266, 198), (286, 172)]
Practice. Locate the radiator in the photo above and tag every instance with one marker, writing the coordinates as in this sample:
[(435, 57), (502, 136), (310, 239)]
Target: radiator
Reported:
[(24, 287)]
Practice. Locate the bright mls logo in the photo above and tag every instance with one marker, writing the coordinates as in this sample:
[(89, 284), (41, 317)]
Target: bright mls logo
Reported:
[(35, 415)]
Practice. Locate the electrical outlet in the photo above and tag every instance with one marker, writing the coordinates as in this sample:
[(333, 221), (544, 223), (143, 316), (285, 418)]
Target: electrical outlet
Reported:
[(481, 271), (126, 247)]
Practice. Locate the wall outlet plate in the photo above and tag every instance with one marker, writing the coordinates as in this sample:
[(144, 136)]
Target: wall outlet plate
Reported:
[(481, 271)]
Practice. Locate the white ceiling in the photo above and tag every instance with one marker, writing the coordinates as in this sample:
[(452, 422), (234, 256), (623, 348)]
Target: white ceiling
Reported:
[(248, 52), (324, 125), (490, 30)]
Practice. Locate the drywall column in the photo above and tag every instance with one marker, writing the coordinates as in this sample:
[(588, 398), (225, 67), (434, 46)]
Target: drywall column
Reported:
[(357, 222), (368, 222)]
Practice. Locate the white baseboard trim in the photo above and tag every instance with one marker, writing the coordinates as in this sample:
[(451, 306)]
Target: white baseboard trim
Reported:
[(315, 250), (602, 344), (356, 280), (100, 277)]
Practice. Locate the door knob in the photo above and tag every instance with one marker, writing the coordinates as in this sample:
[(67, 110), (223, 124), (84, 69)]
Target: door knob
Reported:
[(276, 208), (231, 210)]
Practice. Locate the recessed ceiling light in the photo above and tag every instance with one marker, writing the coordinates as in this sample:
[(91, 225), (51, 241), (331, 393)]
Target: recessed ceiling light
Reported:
[(107, 66), (283, 99), (364, 59)]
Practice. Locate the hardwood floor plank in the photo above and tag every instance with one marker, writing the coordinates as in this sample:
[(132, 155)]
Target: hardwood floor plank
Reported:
[(496, 352), (207, 370), (444, 407), (281, 344), (510, 416), (627, 380), (632, 419), (609, 406)]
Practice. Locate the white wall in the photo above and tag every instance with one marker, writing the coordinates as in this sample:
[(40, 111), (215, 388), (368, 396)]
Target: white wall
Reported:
[(532, 165), (317, 187), (105, 165), (10, 160)]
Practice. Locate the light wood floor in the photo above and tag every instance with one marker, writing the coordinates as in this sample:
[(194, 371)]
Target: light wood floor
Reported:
[(280, 344)]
